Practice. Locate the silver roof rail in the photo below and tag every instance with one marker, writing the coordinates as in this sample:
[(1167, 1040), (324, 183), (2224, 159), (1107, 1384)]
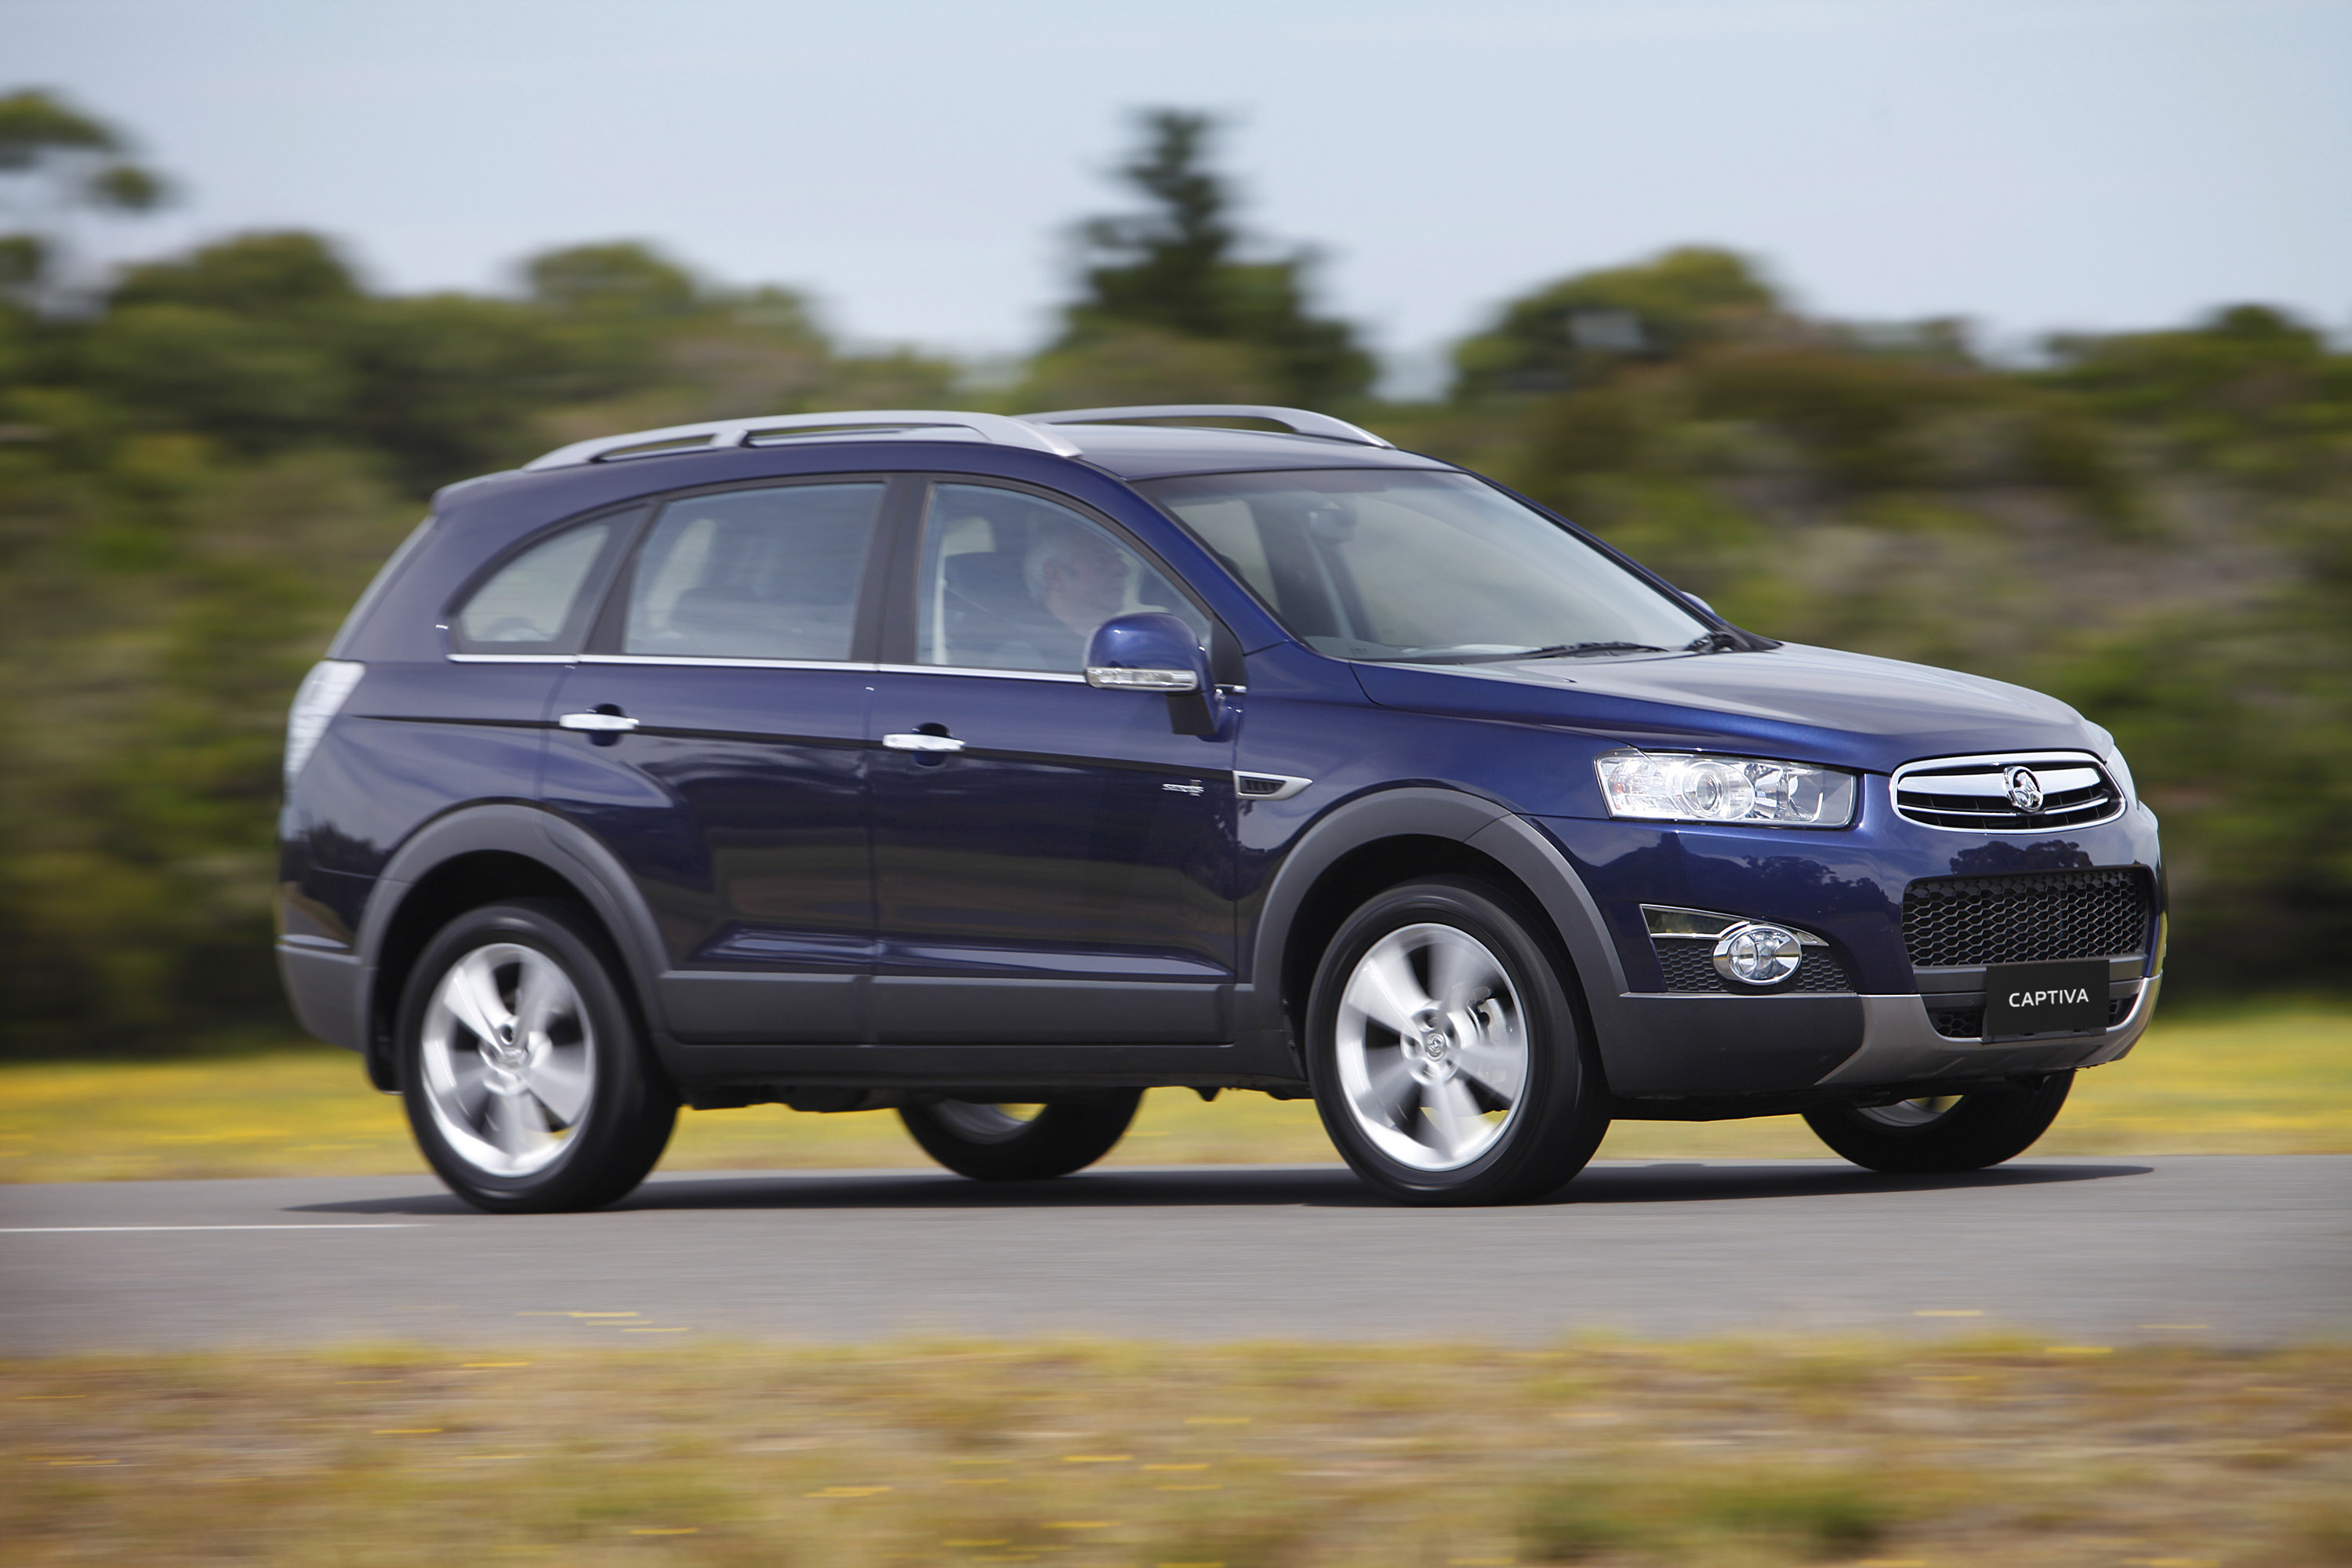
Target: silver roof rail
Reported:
[(865, 424), (1297, 421)]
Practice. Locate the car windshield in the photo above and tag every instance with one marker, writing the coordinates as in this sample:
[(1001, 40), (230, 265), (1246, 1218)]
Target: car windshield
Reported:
[(1420, 566)]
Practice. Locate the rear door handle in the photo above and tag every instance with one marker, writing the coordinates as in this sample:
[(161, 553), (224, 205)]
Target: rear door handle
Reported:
[(923, 742), (598, 723)]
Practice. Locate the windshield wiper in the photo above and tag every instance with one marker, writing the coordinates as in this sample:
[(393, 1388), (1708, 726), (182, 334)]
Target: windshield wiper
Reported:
[(1556, 650), (1575, 649)]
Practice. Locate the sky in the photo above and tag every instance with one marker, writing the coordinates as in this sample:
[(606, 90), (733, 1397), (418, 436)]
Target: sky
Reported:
[(917, 166)]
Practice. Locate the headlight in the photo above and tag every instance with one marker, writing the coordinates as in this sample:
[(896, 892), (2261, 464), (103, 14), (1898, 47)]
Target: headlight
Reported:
[(1703, 788)]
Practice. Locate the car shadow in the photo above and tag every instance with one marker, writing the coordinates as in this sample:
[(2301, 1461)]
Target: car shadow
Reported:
[(1251, 1186)]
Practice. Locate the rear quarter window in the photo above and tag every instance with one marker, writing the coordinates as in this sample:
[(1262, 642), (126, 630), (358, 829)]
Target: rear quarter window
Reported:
[(539, 601)]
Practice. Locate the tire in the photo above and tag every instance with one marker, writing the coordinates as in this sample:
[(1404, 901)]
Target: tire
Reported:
[(1967, 1133), (992, 1142), (1445, 1055), (525, 1077)]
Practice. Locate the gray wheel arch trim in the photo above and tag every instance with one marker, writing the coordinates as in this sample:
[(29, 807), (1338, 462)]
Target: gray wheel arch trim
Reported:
[(1494, 830), (534, 834)]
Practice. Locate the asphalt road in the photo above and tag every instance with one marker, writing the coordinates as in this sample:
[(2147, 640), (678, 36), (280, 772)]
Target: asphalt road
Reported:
[(2079, 1251)]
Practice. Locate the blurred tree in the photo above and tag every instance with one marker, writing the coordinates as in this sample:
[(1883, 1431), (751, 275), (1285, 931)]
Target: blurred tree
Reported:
[(54, 161), (1172, 274), (1582, 328), (624, 281), (258, 275), (2250, 387)]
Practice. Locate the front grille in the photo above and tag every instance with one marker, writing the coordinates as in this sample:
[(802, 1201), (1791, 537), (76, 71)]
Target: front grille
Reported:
[(1967, 1022), (2030, 917), (1974, 793), (1690, 966)]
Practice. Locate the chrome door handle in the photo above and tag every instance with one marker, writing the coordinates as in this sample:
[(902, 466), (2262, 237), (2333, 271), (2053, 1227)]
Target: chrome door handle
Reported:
[(597, 723), (923, 743)]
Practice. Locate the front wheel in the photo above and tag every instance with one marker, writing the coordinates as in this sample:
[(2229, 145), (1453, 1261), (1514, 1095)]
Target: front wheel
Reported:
[(993, 1142), (521, 1069), (1446, 1055), (1950, 1133)]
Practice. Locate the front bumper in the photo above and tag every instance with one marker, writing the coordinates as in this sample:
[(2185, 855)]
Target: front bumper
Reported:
[(1661, 1045)]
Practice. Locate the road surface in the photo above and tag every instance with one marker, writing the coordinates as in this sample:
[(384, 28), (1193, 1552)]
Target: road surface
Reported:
[(2227, 1250)]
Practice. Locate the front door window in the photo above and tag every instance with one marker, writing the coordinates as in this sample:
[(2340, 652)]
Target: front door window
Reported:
[(1011, 581)]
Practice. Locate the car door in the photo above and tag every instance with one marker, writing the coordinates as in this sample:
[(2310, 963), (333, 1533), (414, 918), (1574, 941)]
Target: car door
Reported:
[(712, 738), (1051, 863)]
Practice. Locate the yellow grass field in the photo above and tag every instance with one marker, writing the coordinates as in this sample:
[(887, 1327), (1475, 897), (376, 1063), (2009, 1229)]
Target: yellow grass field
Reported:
[(1091, 1455), (2268, 1081)]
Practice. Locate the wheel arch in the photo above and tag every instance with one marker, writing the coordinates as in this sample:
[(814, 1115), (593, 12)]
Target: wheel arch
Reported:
[(480, 855), (1379, 840)]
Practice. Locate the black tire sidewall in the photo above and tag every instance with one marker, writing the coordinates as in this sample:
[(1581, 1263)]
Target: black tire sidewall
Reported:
[(1982, 1129), (631, 1109), (1068, 1135), (1559, 1119)]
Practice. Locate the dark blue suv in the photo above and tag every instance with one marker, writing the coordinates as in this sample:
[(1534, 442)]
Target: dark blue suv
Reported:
[(995, 770)]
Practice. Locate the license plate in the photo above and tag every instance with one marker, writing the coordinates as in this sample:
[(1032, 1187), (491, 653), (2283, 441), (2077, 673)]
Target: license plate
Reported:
[(2068, 999)]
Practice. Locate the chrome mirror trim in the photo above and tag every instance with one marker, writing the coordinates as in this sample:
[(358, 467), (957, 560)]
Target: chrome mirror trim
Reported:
[(1111, 678)]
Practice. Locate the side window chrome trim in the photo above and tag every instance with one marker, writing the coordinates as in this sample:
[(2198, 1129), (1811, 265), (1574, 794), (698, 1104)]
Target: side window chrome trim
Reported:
[(1064, 676), (510, 658), (712, 661)]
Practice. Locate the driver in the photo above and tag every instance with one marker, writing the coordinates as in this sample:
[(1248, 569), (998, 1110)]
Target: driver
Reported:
[(1076, 575)]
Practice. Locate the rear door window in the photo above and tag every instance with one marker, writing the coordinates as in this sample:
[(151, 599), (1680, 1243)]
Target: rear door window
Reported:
[(770, 574)]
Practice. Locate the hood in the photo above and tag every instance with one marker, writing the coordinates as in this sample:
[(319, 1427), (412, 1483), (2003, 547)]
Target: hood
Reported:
[(1798, 703)]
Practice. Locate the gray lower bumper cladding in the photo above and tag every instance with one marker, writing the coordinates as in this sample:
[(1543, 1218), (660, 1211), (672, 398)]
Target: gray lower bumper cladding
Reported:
[(1900, 1046)]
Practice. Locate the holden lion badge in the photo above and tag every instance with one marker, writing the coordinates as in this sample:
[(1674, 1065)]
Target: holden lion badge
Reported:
[(2024, 790)]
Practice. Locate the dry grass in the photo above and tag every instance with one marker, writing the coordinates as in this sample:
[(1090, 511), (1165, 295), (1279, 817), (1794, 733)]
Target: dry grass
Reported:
[(2271, 1080), (1081, 1455)]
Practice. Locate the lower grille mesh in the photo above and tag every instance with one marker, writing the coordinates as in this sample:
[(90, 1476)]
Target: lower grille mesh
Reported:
[(1967, 1022), (2027, 918)]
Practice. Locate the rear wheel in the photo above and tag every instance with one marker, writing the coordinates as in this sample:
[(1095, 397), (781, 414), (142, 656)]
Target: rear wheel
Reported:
[(1951, 1132), (523, 1075), (1446, 1055), (1006, 1143)]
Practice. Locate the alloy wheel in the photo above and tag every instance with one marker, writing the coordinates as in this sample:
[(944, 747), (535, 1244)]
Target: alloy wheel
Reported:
[(509, 1058), (1433, 1046)]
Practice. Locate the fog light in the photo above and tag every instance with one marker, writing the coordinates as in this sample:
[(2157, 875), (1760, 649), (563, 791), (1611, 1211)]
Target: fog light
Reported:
[(1757, 955)]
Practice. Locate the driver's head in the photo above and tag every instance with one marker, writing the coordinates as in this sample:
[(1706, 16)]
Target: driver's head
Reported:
[(1077, 575)]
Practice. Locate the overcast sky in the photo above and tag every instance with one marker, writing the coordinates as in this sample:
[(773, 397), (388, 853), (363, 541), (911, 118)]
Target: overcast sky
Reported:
[(916, 166)]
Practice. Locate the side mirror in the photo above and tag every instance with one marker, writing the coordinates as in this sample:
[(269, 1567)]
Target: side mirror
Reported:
[(1154, 651), (1695, 599)]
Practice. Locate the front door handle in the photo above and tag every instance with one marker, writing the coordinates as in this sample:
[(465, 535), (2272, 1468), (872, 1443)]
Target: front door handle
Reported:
[(923, 743), (598, 723)]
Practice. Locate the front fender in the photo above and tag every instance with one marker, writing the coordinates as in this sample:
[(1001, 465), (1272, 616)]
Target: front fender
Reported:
[(1262, 1024)]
